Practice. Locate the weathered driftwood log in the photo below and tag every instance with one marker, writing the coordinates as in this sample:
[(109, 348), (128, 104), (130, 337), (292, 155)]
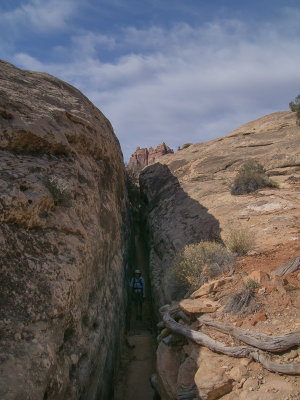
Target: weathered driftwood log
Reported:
[(274, 344), (288, 267), (183, 316), (165, 332), (172, 339), (160, 325), (236, 351)]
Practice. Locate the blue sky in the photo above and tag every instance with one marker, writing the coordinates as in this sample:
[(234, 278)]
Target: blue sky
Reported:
[(173, 71)]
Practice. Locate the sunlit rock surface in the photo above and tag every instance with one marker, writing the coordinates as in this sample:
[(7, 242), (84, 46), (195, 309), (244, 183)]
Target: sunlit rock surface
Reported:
[(187, 194), (63, 258)]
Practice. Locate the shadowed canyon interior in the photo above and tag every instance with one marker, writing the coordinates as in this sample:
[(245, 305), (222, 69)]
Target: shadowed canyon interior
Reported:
[(70, 241)]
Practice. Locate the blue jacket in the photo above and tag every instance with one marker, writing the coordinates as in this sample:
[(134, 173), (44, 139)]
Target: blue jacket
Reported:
[(138, 286)]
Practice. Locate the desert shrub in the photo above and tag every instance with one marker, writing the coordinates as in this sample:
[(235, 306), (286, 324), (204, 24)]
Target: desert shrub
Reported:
[(295, 106), (186, 145), (243, 299), (59, 189), (251, 284), (298, 116), (251, 177), (239, 301), (196, 263), (240, 240)]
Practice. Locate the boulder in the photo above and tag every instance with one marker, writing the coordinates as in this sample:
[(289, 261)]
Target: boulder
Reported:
[(260, 316), (210, 378), (167, 366), (238, 372), (186, 373), (260, 277), (198, 306), (210, 287)]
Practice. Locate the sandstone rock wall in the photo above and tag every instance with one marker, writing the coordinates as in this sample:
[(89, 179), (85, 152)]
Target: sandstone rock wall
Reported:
[(188, 198), (63, 231), (174, 219)]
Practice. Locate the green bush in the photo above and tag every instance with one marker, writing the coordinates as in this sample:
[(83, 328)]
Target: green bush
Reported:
[(295, 106), (186, 145), (59, 189), (251, 177), (196, 263), (298, 116), (251, 284), (240, 240)]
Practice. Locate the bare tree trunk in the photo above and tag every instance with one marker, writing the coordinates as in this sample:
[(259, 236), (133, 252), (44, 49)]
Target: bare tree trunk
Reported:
[(275, 344), (236, 351), (288, 267)]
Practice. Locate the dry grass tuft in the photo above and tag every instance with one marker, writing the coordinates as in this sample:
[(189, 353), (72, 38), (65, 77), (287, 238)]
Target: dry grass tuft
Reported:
[(240, 240)]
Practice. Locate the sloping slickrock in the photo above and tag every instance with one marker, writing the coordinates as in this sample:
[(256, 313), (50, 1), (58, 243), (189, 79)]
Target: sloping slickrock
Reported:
[(63, 262), (188, 197)]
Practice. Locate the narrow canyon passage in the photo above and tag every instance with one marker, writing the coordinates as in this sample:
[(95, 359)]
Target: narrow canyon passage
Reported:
[(140, 360)]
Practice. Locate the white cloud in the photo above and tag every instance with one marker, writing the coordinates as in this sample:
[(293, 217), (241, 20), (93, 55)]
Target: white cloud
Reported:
[(184, 84), (39, 15), (28, 62), (90, 43)]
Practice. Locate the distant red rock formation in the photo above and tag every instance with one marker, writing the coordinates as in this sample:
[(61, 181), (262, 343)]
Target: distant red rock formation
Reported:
[(143, 157)]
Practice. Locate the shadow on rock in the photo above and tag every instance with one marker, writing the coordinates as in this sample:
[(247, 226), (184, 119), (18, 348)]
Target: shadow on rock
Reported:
[(174, 220)]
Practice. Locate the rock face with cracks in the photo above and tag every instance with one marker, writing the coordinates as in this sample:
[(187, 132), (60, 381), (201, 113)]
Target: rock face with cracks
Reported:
[(63, 241)]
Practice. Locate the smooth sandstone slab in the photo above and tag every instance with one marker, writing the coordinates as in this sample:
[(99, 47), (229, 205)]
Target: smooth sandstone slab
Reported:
[(198, 306), (210, 287)]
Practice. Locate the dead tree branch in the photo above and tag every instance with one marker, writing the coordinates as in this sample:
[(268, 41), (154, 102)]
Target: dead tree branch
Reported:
[(274, 344), (236, 351), (288, 267)]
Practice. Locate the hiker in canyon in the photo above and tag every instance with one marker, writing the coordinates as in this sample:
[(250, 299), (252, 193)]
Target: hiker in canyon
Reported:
[(137, 284)]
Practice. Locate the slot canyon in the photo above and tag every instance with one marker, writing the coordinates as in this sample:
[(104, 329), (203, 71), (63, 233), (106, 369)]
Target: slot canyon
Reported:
[(74, 228)]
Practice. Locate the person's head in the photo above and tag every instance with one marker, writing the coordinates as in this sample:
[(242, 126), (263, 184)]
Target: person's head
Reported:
[(137, 273)]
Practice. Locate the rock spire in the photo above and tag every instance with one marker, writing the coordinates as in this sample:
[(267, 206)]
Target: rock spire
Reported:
[(143, 157)]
